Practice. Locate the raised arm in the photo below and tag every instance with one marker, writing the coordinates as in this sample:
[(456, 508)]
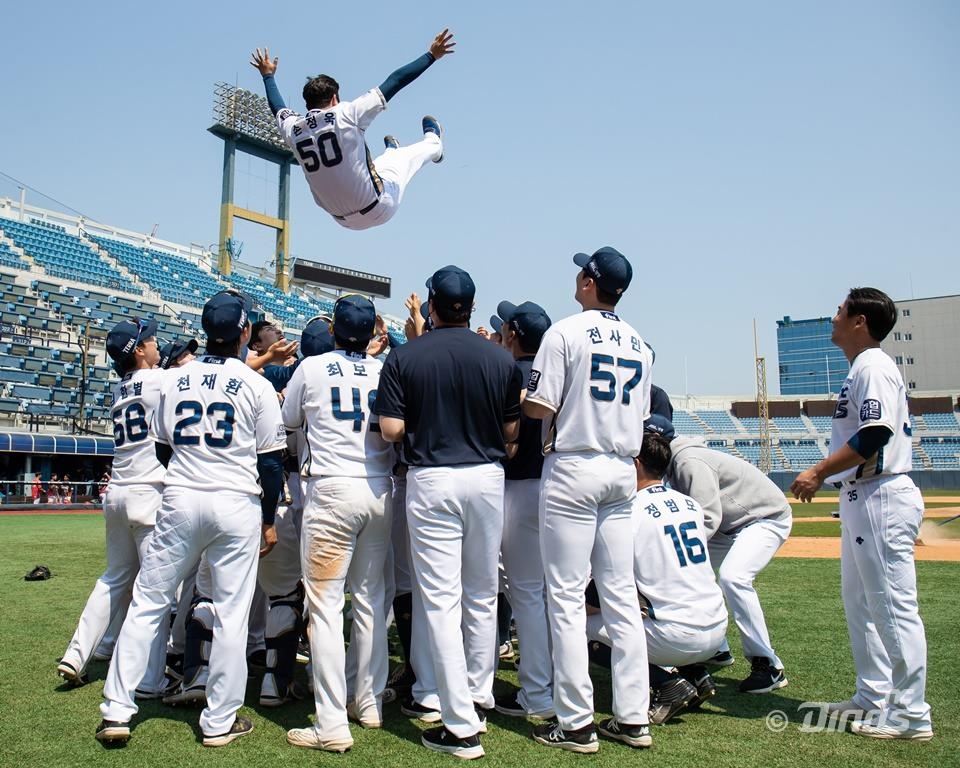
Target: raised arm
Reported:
[(442, 45), (267, 68)]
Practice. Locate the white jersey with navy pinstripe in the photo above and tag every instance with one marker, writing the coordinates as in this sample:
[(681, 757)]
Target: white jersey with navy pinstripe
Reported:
[(332, 151), (217, 415), (671, 562), (331, 398), (873, 394), (593, 371), (135, 398)]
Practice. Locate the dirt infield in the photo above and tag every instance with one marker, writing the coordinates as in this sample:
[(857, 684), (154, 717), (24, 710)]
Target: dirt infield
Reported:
[(944, 513), (827, 548)]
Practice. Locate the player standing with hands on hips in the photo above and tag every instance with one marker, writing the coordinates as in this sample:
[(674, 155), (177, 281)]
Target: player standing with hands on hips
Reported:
[(331, 147), (591, 384), (880, 510)]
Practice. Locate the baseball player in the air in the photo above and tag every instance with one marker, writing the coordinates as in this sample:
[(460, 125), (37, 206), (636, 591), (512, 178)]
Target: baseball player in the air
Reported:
[(686, 619), (590, 384), (131, 503), (346, 523), (330, 145), (521, 328), (747, 519), (218, 430), (453, 399), (880, 511)]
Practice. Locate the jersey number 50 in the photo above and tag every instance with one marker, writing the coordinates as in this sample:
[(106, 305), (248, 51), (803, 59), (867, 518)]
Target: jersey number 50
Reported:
[(599, 372), (328, 148)]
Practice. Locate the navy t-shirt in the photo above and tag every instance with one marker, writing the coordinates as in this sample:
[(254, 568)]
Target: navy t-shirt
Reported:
[(527, 462), (454, 390)]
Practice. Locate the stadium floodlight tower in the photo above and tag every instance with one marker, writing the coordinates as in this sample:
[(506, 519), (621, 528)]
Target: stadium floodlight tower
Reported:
[(243, 120)]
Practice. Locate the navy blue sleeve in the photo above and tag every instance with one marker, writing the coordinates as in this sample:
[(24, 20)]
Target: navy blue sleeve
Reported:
[(390, 401), (870, 439), (279, 375), (511, 406), (270, 467), (274, 99), (405, 75)]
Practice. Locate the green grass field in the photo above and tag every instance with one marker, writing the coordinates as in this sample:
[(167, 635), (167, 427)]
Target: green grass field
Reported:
[(45, 723)]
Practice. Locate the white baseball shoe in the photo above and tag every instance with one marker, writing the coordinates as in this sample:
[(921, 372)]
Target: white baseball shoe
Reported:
[(310, 739), (889, 732)]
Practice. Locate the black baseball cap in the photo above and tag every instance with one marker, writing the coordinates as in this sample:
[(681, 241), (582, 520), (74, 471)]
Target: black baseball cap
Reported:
[(661, 425), (127, 335), (175, 350), (316, 338), (608, 267), (528, 319), (225, 316), (354, 318), (452, 288)]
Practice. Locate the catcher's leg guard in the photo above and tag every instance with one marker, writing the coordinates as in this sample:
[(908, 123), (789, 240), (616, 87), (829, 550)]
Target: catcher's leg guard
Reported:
[(196, 654), (599, 653), (284, 624)]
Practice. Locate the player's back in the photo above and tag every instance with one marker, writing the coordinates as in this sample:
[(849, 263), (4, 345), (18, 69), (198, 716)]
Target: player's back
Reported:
[(337, 391), (135, 399), (604, 395), (331, 148), (671, 562), (217, 415)]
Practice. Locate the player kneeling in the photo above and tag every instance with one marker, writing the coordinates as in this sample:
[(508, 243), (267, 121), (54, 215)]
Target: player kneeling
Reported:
[(685, 615)]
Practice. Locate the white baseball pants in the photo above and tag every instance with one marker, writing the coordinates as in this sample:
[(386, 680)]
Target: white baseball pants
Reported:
[(880, 519), (585, 523), (396, 168), (344, 541), (738, 558), (669, 644), (129, 513), (520, 551), (455, 518), (225, 525)]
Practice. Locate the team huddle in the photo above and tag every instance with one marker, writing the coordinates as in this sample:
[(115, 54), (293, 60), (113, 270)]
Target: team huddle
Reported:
[(534, 465)]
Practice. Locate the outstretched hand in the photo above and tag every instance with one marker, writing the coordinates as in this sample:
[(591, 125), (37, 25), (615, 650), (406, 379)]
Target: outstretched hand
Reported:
[(442, 44), (263, 63)]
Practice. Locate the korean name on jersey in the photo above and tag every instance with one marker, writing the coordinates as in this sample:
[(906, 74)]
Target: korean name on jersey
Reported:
[(135, 399), (217, 415), (673, 566), (332, 397), (333, 152), (873, 393), (593, 369)]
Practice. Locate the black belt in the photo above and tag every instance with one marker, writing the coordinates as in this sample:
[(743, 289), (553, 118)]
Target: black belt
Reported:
[(362, 211)]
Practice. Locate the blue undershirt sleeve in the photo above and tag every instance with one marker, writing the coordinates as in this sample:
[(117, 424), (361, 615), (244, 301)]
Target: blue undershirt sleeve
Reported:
[(869, 440), (405, 75), (270, 467), (274, 99)]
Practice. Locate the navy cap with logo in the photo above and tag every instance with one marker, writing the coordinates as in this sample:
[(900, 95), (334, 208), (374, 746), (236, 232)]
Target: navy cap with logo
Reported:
[(528, 319), (354, 318), (608, 267), (452, 288), (316, 338), (225, 316), (661, 425), (127, 335), (176, 349)]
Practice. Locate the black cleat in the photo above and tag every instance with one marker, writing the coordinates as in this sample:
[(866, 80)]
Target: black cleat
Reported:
[(581, 740), (763, 678), (430, 124), (113, 732), (669, 699), (441, 740), (390, 142), (634, 735)]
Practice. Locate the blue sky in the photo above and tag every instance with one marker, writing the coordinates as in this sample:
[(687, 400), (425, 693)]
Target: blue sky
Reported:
[(751, 159)]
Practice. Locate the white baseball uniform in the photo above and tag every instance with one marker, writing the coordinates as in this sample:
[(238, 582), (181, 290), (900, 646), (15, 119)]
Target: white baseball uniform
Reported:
[(330, 143), (593, 372), (880, 513), (129, 511), (216, 415), (345, 529), (686, 617)]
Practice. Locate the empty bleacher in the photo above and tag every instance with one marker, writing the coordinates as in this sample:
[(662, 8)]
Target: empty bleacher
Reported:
[(801, 454), (718, 421), (943, 452), (685, 424)]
